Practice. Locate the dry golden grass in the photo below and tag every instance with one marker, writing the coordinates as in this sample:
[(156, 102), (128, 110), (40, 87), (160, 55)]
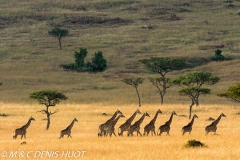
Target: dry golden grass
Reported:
[(224, 145)]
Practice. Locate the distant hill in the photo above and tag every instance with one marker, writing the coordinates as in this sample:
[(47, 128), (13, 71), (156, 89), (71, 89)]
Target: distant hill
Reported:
[(125, 31)]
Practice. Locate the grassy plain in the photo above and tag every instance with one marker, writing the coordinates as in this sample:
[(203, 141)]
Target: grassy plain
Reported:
[(224, 145)]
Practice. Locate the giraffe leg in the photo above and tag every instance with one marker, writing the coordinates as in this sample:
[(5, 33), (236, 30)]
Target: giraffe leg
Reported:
[(139, 133), (15, 136), (154, 132), (168, 133), (114, 133), (160, 133)]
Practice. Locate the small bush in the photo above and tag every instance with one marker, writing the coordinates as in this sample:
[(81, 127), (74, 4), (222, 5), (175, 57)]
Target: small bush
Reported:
[(4, 115), (194, 143), (67, 66), (79, 59), (228, 1), (98, 63), (230, 5), (218, 56)]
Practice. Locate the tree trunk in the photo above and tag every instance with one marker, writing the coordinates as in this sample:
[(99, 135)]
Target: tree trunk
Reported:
[(139, 102), (60, 44), (161, 95), (190, 110), (196, 101), (48, 121)]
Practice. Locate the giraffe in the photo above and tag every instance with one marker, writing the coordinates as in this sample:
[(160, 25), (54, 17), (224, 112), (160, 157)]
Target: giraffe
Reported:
[(105, 126), (114, 122), (67, 131), (125, 126), (136, 125), (166, 126), (23, 130), (188, 128), (213, 126), (151, 125)]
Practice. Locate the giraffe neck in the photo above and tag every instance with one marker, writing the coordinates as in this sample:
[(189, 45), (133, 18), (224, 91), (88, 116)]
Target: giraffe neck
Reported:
[(155, 118), (129, 120), (192, 121), (170, 120), (217, 120), (140, 120), (113, 117), (27, 125), (116, 120), (71, 125)]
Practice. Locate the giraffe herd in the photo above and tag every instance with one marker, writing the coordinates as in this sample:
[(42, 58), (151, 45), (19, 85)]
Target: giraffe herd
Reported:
[(23, 130), (108, 126)]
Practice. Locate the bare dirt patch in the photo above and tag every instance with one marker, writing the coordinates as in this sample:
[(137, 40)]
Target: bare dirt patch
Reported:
[(209, 47), (109, 5), (90, 21), (165, 14), (7, 21)]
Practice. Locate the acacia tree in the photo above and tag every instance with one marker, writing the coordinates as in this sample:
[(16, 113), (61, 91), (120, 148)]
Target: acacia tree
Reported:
[(233, 92), (49, 98), (161, 84), (134, 82), (163, 66), (191, 85), (58, 33)]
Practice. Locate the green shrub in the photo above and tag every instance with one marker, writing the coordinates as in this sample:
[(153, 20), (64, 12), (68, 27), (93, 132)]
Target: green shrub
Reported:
[(98, 63), (218, 56), (194, 143), (79, 59)]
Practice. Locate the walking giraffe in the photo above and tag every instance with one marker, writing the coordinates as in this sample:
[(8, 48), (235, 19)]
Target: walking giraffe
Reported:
[(136, 126), (105, 126), (114, 122), (213, 126), (151, 125), (166, 126), (67, 131), (188, 128), (125, 126), (23, 130)]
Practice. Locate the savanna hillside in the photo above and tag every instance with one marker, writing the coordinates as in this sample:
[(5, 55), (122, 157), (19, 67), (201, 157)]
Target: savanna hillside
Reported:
[(125, 31)]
